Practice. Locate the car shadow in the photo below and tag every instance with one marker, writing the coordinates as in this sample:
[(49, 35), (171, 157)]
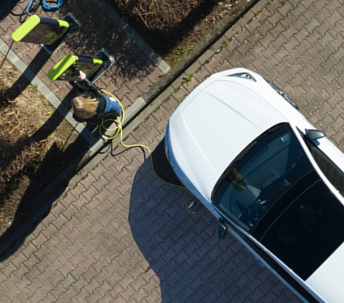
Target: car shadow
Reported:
[(182, 249)]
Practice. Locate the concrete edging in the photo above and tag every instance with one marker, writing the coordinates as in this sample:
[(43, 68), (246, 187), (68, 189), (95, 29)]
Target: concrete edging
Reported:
[(147, 103), (145, 108), (45, 91), (125, 27)]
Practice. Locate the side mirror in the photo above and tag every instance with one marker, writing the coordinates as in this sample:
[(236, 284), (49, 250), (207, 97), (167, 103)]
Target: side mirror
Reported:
[(221, 229), (314, 134)]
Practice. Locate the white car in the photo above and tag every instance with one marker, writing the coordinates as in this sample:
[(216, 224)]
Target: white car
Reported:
[(242, 148)]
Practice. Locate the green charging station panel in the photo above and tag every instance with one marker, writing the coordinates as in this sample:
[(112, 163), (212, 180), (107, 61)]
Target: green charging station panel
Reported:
[(67, 68), (40, 30)]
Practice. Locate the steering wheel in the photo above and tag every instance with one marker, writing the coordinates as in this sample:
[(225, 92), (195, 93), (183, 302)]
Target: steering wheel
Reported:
[(257, 209)]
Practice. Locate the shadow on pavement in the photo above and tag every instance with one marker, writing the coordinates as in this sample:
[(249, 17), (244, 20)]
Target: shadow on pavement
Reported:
[(7, 7), (192, 265), (36, 202), (99, 31), (28, 75)]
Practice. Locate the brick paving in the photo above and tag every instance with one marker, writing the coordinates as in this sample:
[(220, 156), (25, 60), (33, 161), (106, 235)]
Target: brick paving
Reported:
[(121, 235)]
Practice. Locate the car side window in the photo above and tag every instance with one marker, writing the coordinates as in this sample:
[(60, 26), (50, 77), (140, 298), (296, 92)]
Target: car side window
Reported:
[(330, 170)]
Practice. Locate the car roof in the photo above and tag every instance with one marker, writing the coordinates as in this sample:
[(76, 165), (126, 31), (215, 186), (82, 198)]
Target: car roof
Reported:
[(304, 227)]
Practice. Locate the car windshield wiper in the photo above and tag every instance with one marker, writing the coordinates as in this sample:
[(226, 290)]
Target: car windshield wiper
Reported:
[(243, 154)]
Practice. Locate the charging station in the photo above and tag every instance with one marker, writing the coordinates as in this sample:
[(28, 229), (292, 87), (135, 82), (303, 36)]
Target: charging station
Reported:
[(40, 30), (94, 67), (48, 32)]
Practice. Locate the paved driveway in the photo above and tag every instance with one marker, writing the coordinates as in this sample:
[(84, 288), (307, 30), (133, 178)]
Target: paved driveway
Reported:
[(121, 235)]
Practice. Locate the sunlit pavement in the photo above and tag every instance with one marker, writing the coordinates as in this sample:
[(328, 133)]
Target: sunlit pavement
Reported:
[(121, 235)]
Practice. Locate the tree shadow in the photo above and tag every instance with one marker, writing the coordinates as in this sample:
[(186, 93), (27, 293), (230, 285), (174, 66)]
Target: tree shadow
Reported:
[(31, 210), (27, 76), (99, 31), (192, 265), (164, 40), (7, 7)]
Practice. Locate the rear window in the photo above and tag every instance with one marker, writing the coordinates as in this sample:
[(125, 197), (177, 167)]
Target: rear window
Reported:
[(274, 193), (306, 233)]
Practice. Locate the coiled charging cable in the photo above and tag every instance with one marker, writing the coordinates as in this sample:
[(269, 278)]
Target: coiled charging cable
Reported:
[(45, 5), (118, 131)]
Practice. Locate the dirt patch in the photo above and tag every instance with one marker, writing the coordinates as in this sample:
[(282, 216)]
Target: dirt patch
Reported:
[(35, 143), (174, 27)]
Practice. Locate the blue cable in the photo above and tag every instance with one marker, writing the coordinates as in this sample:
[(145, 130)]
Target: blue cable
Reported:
[(28, 7), (52, 7), (45, 5)]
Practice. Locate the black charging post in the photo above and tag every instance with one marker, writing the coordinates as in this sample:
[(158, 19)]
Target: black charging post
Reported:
[(107, 60)]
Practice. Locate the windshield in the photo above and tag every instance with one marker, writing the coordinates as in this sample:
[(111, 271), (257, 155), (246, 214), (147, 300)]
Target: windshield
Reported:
[(260, 175)]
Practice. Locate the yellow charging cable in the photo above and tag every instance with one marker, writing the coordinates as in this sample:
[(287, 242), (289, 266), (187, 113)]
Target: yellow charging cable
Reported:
[(118, 130)]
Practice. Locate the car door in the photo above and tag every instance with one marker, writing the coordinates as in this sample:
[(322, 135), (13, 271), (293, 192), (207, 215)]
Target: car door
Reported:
[(265, 258), (257, 188)]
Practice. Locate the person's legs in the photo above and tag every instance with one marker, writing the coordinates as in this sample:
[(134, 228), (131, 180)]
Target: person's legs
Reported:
[(112, 106)]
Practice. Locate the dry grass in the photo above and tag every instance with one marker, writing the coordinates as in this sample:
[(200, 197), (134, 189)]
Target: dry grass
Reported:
[(174, 27), (164, 15), (21, 150)]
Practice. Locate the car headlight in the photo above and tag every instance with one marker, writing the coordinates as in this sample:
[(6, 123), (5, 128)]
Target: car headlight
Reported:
[(244, 76)]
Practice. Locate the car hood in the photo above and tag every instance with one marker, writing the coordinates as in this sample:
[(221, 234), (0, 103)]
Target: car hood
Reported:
[(213, 125), (327, 280)]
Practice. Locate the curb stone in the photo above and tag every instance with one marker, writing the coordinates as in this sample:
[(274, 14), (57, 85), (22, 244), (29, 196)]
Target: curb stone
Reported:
[(164, 67), (146, 108), (147, 103), (161, 90), (45, 91)]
